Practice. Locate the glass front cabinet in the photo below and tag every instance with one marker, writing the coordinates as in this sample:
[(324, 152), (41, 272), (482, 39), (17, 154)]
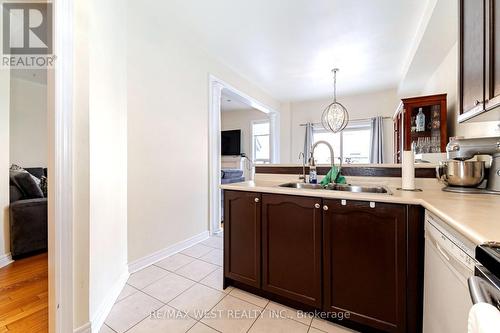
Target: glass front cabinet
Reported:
[(420, 124)]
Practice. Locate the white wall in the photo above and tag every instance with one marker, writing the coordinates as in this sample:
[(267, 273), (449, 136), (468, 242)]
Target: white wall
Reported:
[(4, 162), (100, 157), (445, 80), (28, 123), (242, 119), (108, 149), (382, 103), (168, 128), (81, 172)]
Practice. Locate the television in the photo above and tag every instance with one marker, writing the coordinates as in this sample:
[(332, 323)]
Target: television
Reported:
[(231, 142)]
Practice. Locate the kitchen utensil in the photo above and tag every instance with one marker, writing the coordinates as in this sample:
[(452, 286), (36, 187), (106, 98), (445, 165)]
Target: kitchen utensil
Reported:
[(461, 173)]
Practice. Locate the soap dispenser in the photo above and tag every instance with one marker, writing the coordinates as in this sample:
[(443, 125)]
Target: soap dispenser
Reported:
[(313, 175)]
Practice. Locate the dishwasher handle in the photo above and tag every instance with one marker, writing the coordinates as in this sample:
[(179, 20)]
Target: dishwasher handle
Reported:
[(482, 291)]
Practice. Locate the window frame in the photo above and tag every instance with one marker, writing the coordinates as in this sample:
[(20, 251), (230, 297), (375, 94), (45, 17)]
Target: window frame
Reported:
[(352, 126), (252, 136)]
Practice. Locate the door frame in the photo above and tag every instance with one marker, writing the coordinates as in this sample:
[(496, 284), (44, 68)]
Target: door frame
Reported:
[(215, 86), (60, 203)]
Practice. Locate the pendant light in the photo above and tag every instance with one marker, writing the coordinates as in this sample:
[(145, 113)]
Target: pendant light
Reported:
[(335, 117)]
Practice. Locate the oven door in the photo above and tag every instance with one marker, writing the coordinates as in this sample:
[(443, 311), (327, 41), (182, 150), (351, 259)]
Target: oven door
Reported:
[(484, 287)]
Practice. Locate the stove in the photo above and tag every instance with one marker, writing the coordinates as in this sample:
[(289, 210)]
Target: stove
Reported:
[(484, 286)]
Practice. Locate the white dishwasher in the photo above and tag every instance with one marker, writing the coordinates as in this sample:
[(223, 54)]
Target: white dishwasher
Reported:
[(449, 262)]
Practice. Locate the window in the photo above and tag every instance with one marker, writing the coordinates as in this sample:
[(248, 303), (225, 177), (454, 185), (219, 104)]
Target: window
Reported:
[(352, 144), (261, 142)]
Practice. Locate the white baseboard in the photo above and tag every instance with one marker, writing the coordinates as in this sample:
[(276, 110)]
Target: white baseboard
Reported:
[(5, 259), (148, 260), (83, 329), (102, 313)]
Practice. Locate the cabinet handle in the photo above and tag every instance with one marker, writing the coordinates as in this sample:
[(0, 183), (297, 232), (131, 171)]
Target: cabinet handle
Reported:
[(372, 204), (256, 200), (317, 205), (325, 207)]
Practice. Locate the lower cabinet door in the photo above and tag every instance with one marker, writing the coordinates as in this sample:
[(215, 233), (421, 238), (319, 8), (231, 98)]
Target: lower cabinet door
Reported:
[(291, 247), (364, 249), (242, 237)]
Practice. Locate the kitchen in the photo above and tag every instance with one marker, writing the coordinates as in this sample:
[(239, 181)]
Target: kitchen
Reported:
[(391, 246)]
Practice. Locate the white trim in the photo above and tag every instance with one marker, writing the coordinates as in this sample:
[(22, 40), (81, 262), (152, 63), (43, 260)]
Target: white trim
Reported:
[(83, 329), (110, 300), (215, 87), (148, 260), (5, 260), (60, 203)]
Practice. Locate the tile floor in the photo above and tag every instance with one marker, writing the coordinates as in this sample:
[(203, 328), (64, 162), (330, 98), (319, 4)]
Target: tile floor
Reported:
[(183, 293)]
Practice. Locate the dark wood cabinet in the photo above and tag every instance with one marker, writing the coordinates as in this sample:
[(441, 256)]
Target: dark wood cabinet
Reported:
[(242, 237), (291, 247), (433, 138), (328, 255), (364, 249), (493, 55), (479, 54)]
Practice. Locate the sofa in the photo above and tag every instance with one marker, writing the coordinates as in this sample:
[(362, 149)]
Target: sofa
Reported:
[(229, 176), (28, 218)]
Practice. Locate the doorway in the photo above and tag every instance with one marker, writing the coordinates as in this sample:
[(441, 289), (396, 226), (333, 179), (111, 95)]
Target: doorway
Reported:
[(251, 134)]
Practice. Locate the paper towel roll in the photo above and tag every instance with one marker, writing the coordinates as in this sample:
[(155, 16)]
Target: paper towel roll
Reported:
[(408, 171)]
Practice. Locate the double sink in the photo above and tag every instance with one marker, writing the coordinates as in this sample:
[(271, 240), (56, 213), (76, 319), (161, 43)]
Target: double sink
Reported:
[(340, 187)]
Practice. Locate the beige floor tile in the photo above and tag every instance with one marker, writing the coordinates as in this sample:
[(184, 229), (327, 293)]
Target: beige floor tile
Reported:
[(314, 330), (197, 250), (290, 313), (174, 262), (329, 327), (168, 287), (166, 319), (201, 328), (232, 315), (146, 276), (214, 280), (196, 270), (106, 329), (276, 322), (131, 311), (214, 257), (214, 242), (196, 300), (248, 297), (126, 292)]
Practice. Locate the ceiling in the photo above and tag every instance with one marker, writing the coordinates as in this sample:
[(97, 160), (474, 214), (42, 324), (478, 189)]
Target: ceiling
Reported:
[(288, 47), (233, 102)]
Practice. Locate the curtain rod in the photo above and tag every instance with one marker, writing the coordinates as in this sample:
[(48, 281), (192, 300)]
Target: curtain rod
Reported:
[(359, 119)]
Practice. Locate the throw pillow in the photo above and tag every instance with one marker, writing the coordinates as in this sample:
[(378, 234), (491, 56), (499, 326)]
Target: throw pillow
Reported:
[(25, 182), (15, 167), (43, 185)]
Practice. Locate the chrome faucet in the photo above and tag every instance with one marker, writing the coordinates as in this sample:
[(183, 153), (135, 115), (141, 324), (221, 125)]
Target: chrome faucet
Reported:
[(303, 176), (332, 157)]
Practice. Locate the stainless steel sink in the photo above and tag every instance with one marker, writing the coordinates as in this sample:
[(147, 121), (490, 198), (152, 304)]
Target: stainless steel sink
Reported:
[(303, 185), (340, 187), (359, 188)]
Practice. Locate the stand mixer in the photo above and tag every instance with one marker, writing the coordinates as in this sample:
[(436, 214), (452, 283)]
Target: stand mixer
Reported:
[(468, 176)]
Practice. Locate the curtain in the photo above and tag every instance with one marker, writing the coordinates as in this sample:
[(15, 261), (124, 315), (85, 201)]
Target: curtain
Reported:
[(377, 140), (308, 141)]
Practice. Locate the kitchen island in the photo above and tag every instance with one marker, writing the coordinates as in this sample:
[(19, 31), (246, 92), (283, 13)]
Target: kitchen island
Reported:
[(343, 253)]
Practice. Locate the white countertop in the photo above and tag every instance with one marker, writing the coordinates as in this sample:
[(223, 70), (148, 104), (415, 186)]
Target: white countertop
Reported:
[(475, 216)]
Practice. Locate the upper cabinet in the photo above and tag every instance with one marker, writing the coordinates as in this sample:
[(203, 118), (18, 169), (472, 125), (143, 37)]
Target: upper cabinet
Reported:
[(420, 122), (479, 57)]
